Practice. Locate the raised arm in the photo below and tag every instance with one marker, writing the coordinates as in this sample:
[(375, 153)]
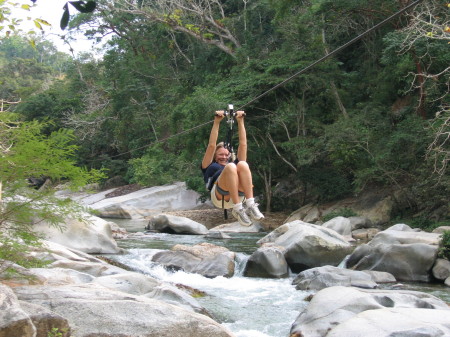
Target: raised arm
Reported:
[(242, 149), (209, 153)]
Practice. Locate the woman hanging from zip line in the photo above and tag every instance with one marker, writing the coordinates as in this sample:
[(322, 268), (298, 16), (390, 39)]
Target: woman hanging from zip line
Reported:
[(230, 182)]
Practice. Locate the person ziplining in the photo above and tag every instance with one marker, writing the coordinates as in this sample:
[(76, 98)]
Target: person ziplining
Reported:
[(228, 179)]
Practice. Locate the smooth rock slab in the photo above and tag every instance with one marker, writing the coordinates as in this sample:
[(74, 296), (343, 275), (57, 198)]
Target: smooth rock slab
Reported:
[(96, 311)]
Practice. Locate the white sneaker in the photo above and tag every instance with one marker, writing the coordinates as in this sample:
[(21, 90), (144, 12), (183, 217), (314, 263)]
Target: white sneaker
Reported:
[(242, 217), (254, 213)]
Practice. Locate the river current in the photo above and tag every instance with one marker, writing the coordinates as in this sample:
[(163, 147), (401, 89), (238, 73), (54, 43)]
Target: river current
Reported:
[(249, 307)]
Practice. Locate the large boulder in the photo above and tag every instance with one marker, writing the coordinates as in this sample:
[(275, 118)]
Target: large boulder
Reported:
[(14, 321), (93, 310), (328, 276), (441, 269), (341, 225), (267, 262), (45, 320), (375, 205), (398, 322), (93, 235), (407, 254), (331, 307), (176, 225), (205, 259), (307, 246), (147, 202)]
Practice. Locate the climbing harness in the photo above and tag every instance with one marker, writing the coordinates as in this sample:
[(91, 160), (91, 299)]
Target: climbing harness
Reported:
[(230, 114)]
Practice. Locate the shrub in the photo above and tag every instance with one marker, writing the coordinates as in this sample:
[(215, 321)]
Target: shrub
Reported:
[(444, 246)]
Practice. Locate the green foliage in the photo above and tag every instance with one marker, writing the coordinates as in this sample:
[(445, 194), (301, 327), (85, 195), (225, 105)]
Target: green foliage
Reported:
[(344, 125), (56, 332), (444, 246), (26, 153), (345, 212), (152, 170)]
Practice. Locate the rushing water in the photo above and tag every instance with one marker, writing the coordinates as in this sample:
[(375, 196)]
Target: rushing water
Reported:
[(249, 307)]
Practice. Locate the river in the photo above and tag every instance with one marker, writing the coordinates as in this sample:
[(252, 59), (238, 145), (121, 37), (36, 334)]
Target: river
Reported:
[(249, 307)]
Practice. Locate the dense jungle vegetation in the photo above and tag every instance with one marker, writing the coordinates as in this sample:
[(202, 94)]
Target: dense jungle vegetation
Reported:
[(375, 115)]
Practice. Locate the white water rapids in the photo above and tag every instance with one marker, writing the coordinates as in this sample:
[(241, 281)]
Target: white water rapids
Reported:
[(249, 307)]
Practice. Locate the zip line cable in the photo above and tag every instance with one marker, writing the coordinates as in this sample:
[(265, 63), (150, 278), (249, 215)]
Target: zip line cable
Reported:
[(302, 71)]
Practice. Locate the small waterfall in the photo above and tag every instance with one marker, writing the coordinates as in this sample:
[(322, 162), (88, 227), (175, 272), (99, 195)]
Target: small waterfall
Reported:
[(240, 263), (343, 263)]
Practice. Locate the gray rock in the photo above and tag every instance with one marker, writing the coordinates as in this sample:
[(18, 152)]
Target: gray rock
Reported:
[(176, 224), (380, 276), (331, 307), (405, 253), (360, 222), (205, 259), (340, 225), (45, 320), (175, 296), (441, 269), (328, 276), (307, 246), (411, 262), (441, 229), (128, 282), (148, 201), (213, 234), (93, 236), (267, 262), (93, 310), (14, 321), (57, 276), (92, 268), (398, 322)]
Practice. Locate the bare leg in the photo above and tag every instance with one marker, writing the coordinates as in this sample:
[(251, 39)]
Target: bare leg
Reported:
[(245, 179), (229, 181)]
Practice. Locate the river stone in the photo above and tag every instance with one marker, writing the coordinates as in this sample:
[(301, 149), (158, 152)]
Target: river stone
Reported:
[(410, 262), (93, 236), (148, 202), (441, 269), (45, 320), (128, 282), (58, 276), (398, 322), (205, 259), (175, 296), (95, 269), (340, 225), (93, 310), (308, 246), (176, 225), (52, 251), (14, 321), (380, 276), (267, 262), (333, 306), (407, 254), (328, 276), (360, 222), (441, 229)]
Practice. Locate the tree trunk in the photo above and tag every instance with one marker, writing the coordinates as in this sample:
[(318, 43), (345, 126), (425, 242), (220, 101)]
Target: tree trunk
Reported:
[(334, 90)]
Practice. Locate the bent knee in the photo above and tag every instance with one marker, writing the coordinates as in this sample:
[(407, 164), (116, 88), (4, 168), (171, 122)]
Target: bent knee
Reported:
[(242, 165)]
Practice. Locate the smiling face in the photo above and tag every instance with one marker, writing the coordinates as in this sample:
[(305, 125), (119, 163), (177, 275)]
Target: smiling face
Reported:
[(221, 156)]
